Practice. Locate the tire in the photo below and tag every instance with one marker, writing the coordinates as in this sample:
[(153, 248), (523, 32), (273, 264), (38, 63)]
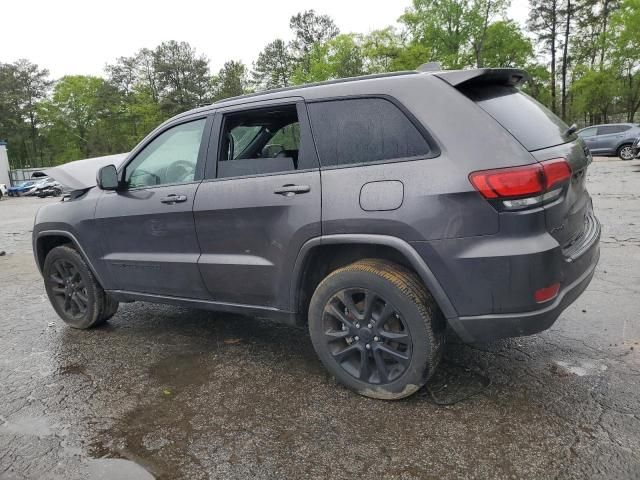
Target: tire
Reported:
[(74, 292), (387, 350), (625, 152)]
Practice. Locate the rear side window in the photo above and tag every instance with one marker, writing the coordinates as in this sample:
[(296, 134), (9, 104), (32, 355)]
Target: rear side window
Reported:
[(363, 130), (610, 129), (531, 123)]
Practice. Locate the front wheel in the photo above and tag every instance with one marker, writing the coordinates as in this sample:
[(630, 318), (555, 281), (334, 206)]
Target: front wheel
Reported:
[(376, 329), (74, 292), (625, 152)]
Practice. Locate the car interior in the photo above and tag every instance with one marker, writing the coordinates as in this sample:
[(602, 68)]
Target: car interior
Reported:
[(260, 142)]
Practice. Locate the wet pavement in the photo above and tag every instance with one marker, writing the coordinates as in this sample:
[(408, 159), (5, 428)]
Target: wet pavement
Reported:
[(175, 393)]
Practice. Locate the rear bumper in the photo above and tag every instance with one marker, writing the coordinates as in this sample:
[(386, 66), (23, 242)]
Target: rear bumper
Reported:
[(491, 280), (484, 328)]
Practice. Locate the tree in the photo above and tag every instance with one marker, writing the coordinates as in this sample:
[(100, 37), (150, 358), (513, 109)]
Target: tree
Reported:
[(625, 54), (481, 17), (567, 11), (310, 29), (454, 32), (381, 50), (544, 22), (340, 57), (505, 45), (231, 80), (183, 78), (22, 86), (594, 93), (274, 66), (73, 116)]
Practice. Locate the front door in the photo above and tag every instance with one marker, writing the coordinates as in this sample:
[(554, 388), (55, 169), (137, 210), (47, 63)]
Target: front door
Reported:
[(147, 229), (259, 203)]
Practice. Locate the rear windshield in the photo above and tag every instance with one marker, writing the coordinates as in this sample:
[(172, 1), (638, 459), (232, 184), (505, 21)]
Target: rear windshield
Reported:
[(530, 122)]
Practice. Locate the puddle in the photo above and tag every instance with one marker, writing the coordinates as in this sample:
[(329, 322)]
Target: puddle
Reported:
[(116, 469)]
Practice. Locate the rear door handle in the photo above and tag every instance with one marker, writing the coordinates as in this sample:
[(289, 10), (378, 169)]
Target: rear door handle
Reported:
[(173, 198), (291, 190)]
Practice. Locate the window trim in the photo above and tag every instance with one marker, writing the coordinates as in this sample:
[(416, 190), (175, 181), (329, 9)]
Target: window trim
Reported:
[(202, 150), (434, 152), (215, 140)]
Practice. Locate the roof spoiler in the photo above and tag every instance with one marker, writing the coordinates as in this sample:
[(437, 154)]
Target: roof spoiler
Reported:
[(511, 77)]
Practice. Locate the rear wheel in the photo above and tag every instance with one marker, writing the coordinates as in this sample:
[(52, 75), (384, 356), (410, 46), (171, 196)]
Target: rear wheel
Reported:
[(74, 292), (375, 328), (625, 152)]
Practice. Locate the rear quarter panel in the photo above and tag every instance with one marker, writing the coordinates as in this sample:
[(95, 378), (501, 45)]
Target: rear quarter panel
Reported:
[(439, 201)]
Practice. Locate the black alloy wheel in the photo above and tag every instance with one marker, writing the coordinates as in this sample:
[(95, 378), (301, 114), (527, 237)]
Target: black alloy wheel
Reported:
[(367, 336), (376, 328), (68, 288), (73, 290)]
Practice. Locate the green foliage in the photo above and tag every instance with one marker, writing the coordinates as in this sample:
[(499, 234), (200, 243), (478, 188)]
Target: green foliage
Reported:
[(274, 66), (231, 80), (505, 46), (339, 57), (594, 92)]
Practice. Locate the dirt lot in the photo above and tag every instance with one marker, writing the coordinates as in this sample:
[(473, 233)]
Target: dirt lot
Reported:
[(178, 393)]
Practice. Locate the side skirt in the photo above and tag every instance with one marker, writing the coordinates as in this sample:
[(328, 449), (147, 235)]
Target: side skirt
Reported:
[(268, 313)]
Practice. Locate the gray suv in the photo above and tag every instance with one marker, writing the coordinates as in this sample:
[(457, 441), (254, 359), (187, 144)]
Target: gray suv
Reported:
[(378, 211), (614, 139)]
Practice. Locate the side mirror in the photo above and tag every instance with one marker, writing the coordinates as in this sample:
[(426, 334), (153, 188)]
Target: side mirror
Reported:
[(107, 178)]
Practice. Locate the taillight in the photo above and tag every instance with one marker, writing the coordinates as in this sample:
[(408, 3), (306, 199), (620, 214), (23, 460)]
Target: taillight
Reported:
[(526, 186)]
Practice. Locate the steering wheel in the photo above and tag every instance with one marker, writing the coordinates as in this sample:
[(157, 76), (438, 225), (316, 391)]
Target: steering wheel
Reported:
[(142, 173), (267, 153), (179, 171)]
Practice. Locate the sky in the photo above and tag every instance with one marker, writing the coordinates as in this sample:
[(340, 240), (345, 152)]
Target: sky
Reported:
[(81, 36)]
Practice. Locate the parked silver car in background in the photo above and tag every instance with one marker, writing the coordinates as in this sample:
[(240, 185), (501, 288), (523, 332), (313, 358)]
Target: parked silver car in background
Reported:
[(611, 139)]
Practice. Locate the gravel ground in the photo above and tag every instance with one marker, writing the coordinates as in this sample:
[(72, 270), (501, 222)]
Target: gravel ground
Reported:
[(175, 393)]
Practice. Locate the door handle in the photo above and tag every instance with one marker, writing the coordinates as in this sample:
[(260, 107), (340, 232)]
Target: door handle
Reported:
[(173, 198), (291, 190)]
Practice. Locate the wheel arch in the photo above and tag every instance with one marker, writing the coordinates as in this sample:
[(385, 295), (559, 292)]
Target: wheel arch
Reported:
[(381, 246), (47, 240)]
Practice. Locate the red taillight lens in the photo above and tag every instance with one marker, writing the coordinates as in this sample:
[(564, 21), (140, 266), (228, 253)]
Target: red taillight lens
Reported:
[(509, 182), (556, 171), (527, 181), (547, 293)]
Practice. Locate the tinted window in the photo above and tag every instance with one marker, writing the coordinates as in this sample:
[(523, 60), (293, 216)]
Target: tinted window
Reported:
[(171, 157), (610, 129), (531, 123), (363, 130), (587, 132), (261, 141)]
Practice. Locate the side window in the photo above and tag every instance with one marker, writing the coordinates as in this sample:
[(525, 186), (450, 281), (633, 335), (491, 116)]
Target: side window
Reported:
[(363, 130), (609, 129), (171, 157), (587, 132), (260, 141)]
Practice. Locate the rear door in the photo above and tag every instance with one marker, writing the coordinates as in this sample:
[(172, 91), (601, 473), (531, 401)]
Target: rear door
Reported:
[(259, 202), (147, 229), (608, 138)]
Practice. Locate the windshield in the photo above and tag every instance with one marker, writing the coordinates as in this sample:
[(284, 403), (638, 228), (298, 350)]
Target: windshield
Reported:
[(530, 122)]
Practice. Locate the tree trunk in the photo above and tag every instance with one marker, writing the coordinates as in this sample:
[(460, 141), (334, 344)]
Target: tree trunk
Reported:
[(565, 55), (554, 32), (605, 18)]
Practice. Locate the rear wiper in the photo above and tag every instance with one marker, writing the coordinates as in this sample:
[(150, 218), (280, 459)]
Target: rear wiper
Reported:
[(571, 130)]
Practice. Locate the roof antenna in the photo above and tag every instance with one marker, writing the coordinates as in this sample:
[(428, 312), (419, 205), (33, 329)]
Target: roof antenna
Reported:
[(430, 67)]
